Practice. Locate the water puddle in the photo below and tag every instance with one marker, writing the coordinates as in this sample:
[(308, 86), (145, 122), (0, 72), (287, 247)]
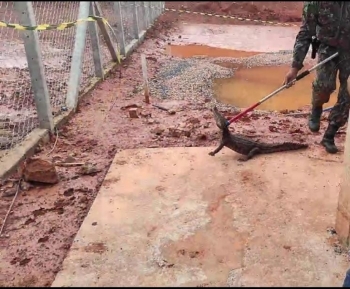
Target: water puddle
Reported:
[(240, 37), (186, 51), (248, 86)]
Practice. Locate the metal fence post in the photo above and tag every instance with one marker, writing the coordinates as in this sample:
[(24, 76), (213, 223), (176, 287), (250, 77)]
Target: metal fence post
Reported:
[(35, 65), (153, 9), (120, 33), (77, 58), (135, 21), (158, 9), (149, 14), (162, 7), (144, 19), (95, 44), (106, 34), (150, 5), (150, 9), (147, 22)]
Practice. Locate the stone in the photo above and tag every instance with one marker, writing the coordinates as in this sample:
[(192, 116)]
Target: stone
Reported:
[(193, 120), (174, 132), (145, 114), (158, 130), (9, 192), (69, 159), (133, 113), (273, 128), (26, 186), (186, 132), (150, 121), (89, 170), (41, 171)]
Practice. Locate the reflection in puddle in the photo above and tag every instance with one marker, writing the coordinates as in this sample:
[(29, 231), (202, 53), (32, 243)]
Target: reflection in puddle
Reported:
[(248, 86), (186, 51)]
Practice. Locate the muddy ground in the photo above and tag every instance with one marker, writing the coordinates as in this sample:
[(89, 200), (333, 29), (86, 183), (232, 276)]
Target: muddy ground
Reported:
[(45, 219), (279, 11)]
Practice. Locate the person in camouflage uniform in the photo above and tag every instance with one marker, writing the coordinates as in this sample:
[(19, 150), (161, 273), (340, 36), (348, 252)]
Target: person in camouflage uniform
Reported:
[(330, 23)]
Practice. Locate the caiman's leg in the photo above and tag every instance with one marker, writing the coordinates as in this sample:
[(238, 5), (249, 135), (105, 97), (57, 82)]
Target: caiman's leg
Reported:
[(219, 148), (251, 154)]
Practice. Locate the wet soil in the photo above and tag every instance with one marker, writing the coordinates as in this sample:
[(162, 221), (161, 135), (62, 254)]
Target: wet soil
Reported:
[(280, 11), (45, 219)]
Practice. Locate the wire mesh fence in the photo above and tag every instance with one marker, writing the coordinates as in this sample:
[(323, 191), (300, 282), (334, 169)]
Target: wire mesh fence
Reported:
[(21, 94), (17, 110), (56, 47)]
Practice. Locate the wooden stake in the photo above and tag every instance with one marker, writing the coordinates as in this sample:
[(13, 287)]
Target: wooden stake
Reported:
[(145, 77)]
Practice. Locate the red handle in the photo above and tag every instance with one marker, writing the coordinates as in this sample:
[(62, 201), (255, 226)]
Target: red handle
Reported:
[(238, 116)]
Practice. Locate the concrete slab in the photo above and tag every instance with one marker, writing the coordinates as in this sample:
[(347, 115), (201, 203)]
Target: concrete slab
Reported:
[(177, 217)]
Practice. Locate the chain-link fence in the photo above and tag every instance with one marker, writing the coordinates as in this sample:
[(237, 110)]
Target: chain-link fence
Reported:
[(43, 70)]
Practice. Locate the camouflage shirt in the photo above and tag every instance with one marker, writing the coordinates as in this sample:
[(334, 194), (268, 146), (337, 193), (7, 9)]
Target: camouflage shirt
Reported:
[(329, 21)]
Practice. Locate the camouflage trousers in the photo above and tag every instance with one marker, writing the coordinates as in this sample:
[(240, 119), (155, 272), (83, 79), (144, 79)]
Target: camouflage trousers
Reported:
[(325, 83)]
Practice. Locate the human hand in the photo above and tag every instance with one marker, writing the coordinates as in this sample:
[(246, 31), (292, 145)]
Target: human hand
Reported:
[(290, 76)]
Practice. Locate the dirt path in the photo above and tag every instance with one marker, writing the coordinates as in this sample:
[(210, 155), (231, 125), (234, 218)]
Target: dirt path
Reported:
[(45, 220)]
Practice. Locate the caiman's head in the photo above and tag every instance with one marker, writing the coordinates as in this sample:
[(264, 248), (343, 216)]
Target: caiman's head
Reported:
[(220, 120)]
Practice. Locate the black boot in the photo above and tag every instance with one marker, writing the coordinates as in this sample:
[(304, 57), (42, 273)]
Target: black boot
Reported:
[(314, 119), (328, 139)]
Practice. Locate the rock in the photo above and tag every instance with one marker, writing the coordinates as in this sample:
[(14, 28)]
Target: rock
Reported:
[(26, 186), (69, 159), (151, 121), (41, 171), (174, 132), (69, 192), (296, 130), (202, 137), (273, 128), (206, 125), (186, 132), (133, 113), (157, 130), (145, 114), (171, 111), (89, 169), (83, 200), (182, 125), (193, 120), (9, 192)]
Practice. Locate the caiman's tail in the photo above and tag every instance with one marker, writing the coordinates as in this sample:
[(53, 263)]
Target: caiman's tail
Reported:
[(281, 147), (220, 120)]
